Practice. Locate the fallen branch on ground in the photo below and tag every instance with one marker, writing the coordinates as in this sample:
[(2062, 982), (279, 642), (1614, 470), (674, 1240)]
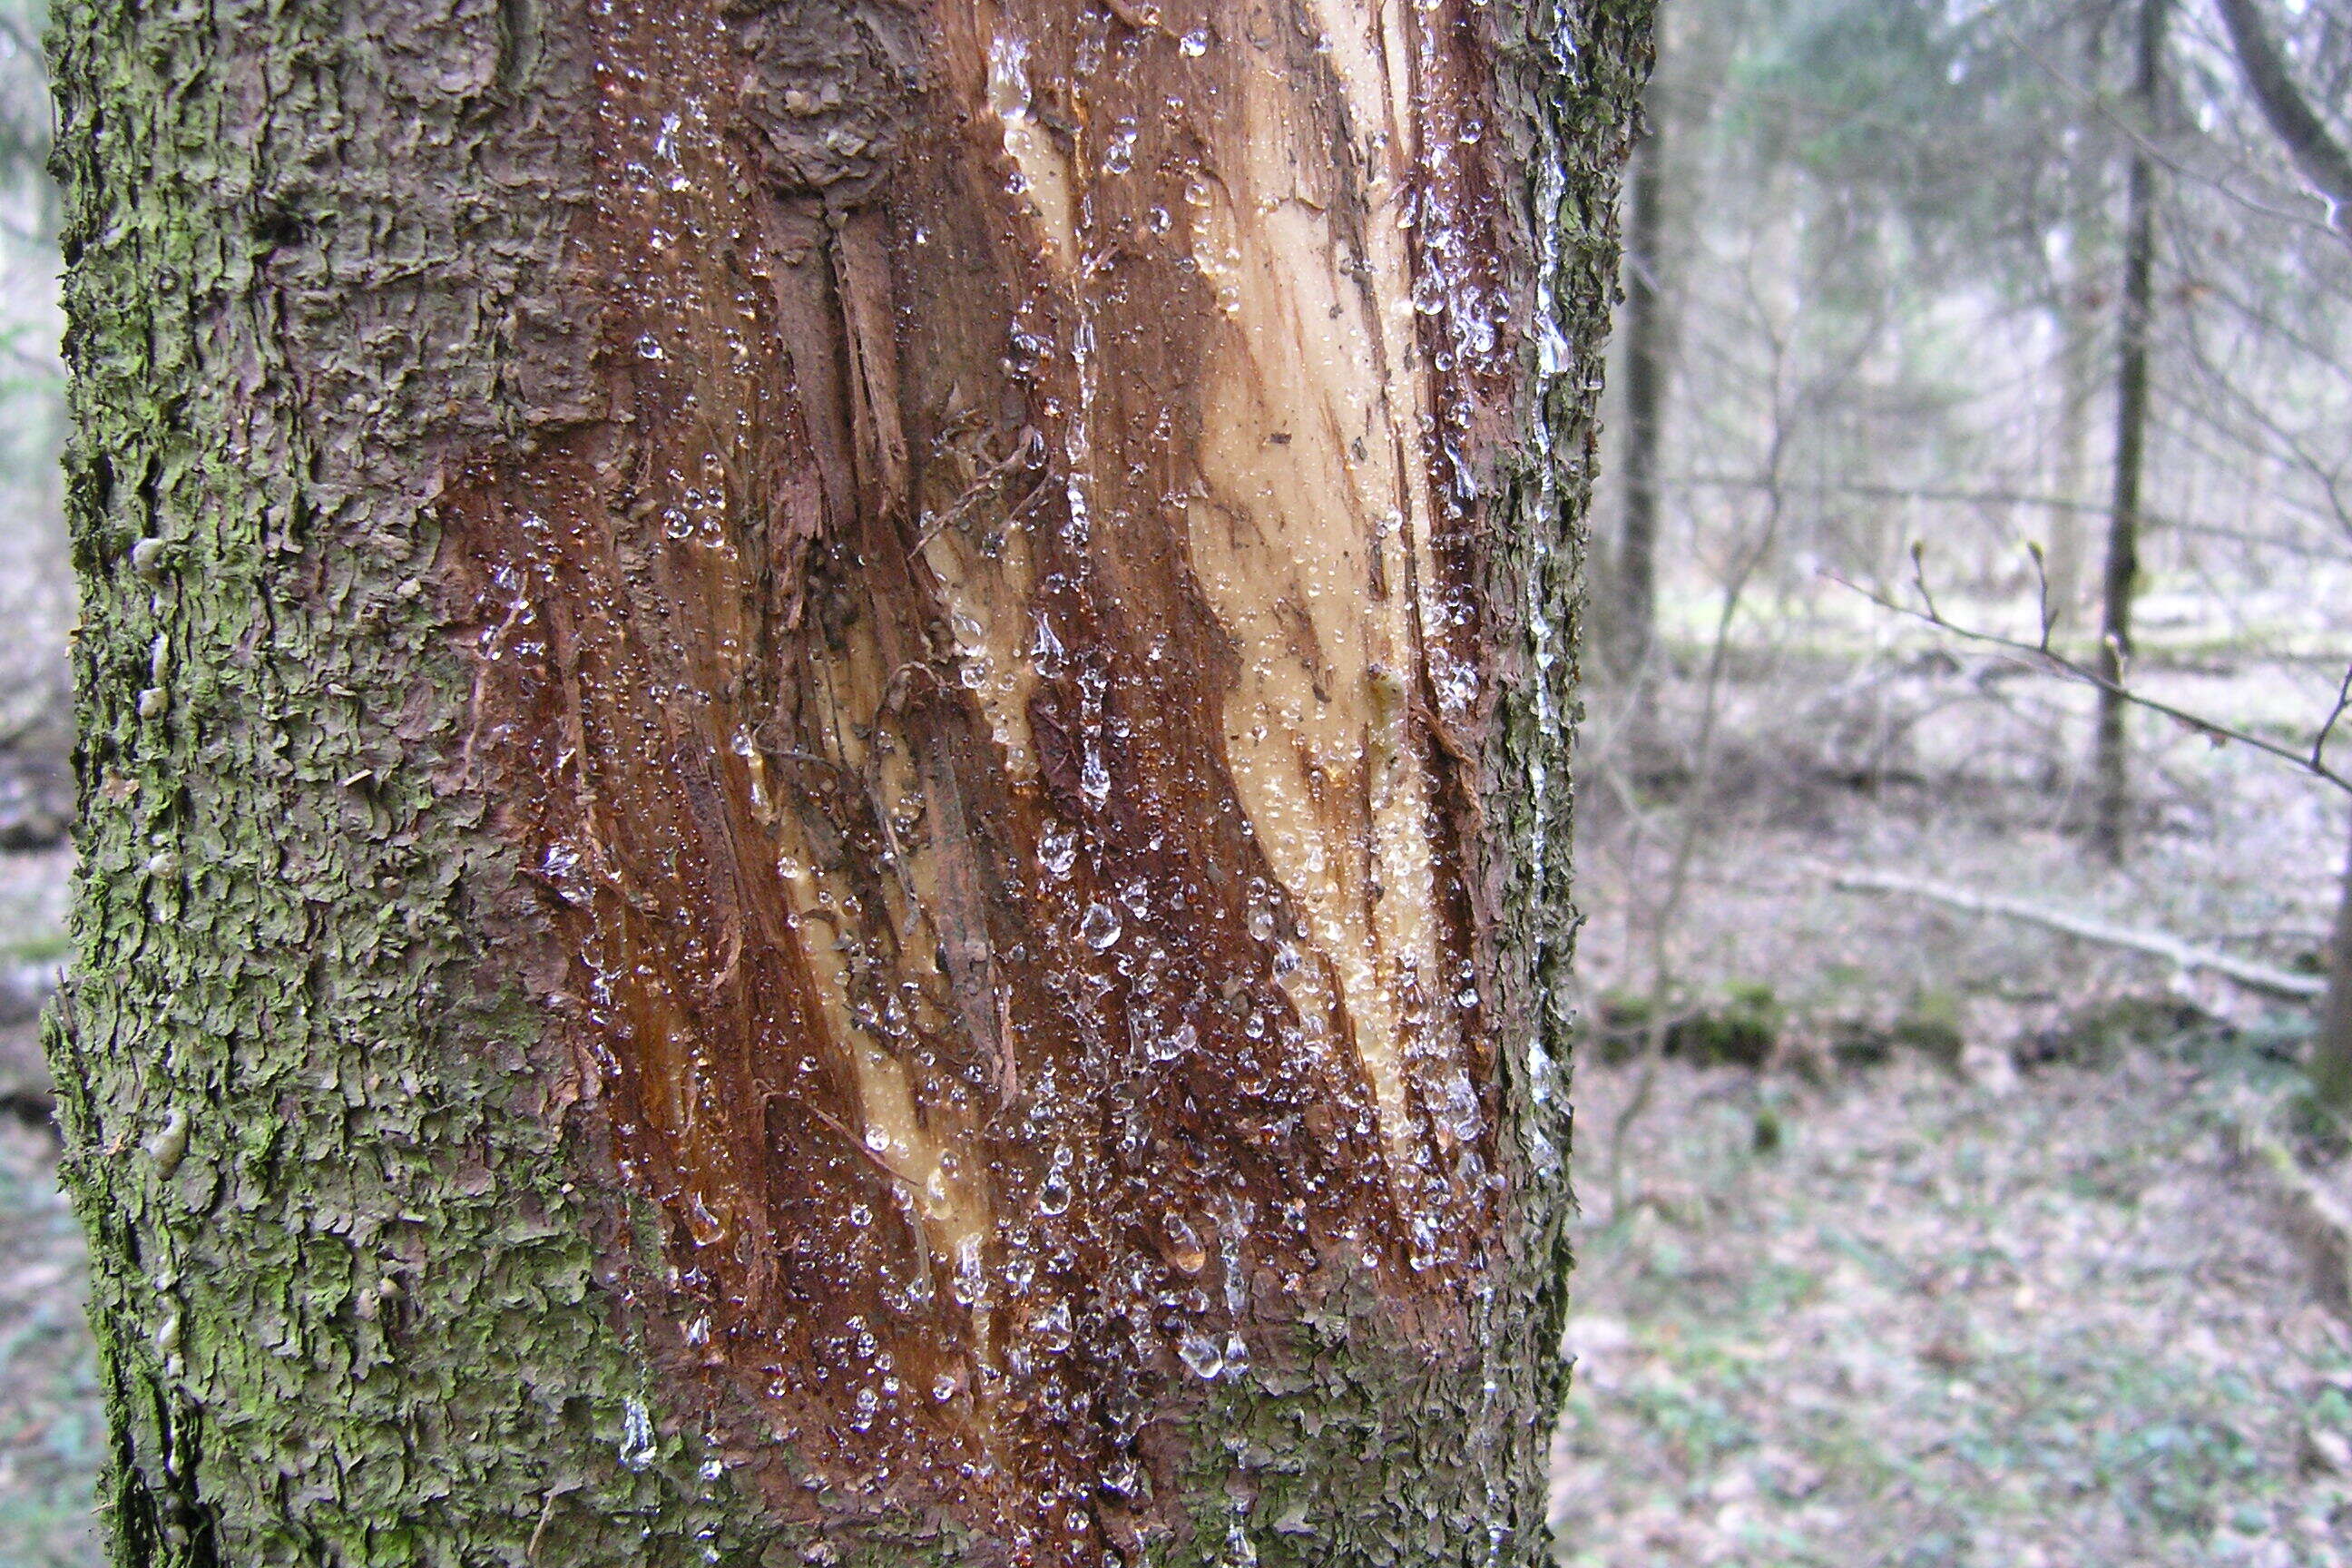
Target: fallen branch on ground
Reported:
[(2253, 976)]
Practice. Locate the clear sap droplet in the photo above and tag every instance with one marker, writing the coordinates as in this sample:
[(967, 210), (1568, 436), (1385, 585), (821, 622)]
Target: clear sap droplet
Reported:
[(1203, 1354), (971, 1285), (1053, 1194), (637, 1449), (1194, 44), (1237, 1359), (649, 347), (1174, 1043), (1057, 850), (1457, 1105), (1051, 1329), (1099, 926), (945, 1387), (1184, 1249)]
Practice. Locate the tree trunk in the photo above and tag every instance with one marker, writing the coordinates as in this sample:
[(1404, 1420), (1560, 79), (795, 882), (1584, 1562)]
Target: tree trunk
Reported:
[(1634, 593), (824, 772), (2078, 378), (2110, 768), (2330, 1067)]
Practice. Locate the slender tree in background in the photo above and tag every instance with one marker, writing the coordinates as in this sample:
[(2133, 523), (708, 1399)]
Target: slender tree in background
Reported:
[(823, 757), (2077, 286), (2078, 381), (1645, 363), (2111, 763)]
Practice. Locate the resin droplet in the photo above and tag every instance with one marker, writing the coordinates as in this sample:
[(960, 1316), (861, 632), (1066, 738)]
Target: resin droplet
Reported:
[(1184, 1249), (1203, 1354)]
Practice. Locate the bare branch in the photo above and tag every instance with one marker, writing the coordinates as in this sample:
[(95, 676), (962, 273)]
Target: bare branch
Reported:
[(2310, 760), (2292, 118), (2320, 741)]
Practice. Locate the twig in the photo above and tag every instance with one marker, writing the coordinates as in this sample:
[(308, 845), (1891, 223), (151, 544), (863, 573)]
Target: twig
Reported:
[(2320, 741), (2259, 977), (2311, 760)]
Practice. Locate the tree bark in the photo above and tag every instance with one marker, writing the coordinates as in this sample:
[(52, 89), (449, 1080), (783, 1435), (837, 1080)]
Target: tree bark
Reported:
[(2072, 480), (2330, 1066), (1634, 593), (824, 772), (2111, 763)]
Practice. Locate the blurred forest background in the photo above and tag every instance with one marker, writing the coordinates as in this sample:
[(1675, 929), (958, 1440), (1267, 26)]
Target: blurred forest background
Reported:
[(1962, 1177)]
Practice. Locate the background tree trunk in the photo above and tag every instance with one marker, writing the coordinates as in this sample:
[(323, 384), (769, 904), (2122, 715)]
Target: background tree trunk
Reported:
[(1648, 364), (824, 772), (2111, 763), (2072, 478), (2330, 1067)]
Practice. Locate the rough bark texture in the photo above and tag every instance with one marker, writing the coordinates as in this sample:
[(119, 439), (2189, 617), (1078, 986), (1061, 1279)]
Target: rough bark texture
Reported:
[(2110, 760), (825, 762)]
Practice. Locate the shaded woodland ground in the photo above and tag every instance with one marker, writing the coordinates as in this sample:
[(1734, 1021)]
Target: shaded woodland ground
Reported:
[(1986, 1262)]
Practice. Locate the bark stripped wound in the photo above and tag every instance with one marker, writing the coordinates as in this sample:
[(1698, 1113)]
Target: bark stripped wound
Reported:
[(987, 706)]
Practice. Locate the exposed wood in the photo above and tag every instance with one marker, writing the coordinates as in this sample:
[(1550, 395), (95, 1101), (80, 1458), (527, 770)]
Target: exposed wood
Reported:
[(1128, 777)]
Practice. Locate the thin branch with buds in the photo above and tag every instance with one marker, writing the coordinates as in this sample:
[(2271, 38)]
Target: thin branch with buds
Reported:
[(2312, 760)]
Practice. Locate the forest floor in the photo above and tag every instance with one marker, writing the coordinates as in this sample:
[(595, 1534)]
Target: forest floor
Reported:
[(1973, 1268), (1923, 1321), (1986, 1263)]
